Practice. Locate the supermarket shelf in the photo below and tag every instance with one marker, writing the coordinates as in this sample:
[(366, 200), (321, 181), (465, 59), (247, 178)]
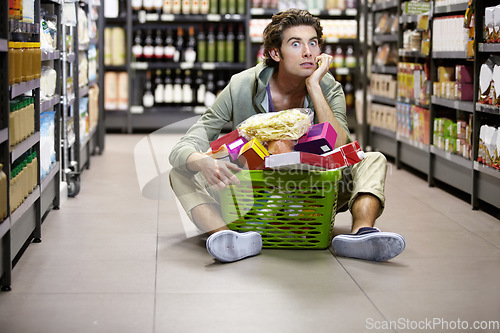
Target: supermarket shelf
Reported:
[(46, 105), (337, 13), (450, 8), (487, 170), (50, 55), (4, 45), (4, 227), (410, 53), (115, 68), (456, 159), (142, 65), (391, 4), (53, 172), (87, 138), (384, 131), (483, 47), (486, 108), (4, 135), (412, 102), (385, 69), (413, 143), (23, 146), (408, 18), (70, 101), (453, 104), (23, 87), (385, 38), (384, 100), (143, 17), (450, 54), (23, 208)]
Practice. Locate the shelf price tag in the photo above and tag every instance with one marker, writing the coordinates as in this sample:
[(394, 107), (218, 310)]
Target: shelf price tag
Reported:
[(213, 17), (136, 109), (186, 65), (168, 17), (152, 17), (314, 12), (476, 165), (351, 12), (334, 12), (342, 71), (257, 11), (208, 65), (139, 65)]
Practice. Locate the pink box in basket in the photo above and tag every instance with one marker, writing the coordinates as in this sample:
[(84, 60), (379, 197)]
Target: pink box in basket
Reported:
[(319, 139)]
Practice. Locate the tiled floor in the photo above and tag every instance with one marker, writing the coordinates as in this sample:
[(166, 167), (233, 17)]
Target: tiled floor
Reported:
[(112, 260)]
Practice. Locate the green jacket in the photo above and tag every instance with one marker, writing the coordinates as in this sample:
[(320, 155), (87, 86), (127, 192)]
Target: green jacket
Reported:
[(243, 97)]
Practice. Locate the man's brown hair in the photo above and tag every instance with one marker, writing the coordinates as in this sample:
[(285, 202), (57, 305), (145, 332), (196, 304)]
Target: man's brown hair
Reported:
[(273, 33)]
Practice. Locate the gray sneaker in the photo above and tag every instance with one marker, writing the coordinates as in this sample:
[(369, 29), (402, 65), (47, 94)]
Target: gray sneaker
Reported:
[(229, 246), (369, 244)]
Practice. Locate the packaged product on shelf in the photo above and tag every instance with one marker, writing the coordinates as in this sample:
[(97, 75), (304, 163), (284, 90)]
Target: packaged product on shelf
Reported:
[(464, 74), (496, 24), (110, 90), (93, 106), (48, 35), (92, 63), (122, 91), (47, 147), (83, 27), (83, 75), (496, 85), (489, 24), (486, 84), (111, 8), (488, 146), (118, 54), (48, 82), (84, 118), (108, 46)]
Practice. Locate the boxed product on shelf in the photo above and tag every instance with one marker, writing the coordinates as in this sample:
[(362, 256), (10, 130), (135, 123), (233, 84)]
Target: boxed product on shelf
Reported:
[(116, 91), (48, 82), (449, 34), (47, 142), (93, 106), (83, 68), (114, 46), (489, 145), (492, 24), (414, 82), (83, 31), (413, 122), (453, 136), (383, 85), (383, 116)]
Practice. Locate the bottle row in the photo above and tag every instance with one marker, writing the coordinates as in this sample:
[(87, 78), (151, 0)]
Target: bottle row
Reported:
[(182, 88), (201, 46), (25, 62), (190, 6), (21, 119), (305, 4), (23, 179)]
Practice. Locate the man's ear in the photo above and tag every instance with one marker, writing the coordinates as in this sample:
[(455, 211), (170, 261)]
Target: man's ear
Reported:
[(275, 54)]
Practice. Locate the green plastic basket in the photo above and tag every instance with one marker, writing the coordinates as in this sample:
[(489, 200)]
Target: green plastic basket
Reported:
[(293, 209)]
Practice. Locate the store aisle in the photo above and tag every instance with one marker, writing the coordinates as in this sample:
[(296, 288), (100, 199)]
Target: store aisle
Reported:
[(113, 261)]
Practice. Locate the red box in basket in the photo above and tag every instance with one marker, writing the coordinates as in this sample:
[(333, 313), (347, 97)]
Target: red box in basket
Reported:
[(224, 140), (347, 155)]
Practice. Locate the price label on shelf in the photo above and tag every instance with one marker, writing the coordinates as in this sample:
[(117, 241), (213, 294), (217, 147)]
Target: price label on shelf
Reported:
[(208, 65), (476, 165), (136, 109), (334, 12), (213, 17), (139, 65), (257, 11), (152, 17), (315, 12), (168, 17), (186, 65), (351, 12)]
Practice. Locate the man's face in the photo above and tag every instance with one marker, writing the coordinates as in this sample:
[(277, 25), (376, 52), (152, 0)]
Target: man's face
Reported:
[(299, 51)]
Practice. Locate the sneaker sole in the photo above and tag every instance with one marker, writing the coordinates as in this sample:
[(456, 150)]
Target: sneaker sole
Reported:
[(377, 246), (229, 246)]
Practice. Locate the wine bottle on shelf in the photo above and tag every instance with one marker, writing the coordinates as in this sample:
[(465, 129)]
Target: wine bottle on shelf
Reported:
[(136, 5), (223, 4), (211, 44), (210, 90), (186, 7), (147, 5), (159, 51), (195, 7), (200, 88), (201, 54), (350, 59), (148, 100), (137, 47), (169, 51), (220, 84), (230, 44), (159, 88), (205, 6), (157, 5), (179, 45), (349, 93), (242, 7), (190, 54), (167, 7), (214, 6), (242, 45), (187, 88), (168, 94), (338, 58), (176, 6), (231, 7), (221, 45), (148, 49), (178, 87)]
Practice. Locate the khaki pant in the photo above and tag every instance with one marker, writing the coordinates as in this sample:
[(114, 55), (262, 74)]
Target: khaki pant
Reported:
[(367, 176)]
